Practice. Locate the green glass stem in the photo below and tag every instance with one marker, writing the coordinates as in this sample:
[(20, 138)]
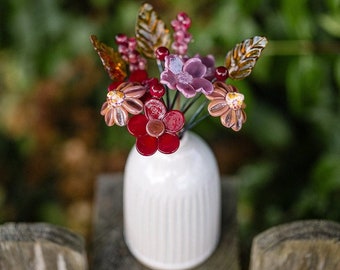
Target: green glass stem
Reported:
[(189, 102), (195, 119)]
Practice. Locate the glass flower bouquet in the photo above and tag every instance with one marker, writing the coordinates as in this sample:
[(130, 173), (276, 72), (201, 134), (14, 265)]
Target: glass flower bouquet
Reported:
[(154, 109)]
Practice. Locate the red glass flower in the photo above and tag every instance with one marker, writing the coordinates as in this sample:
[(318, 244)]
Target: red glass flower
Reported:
[(227, 102), (121, 101), (156, 129)]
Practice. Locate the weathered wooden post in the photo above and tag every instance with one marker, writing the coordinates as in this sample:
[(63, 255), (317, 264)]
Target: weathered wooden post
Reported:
[(301, 245), (40, 246)]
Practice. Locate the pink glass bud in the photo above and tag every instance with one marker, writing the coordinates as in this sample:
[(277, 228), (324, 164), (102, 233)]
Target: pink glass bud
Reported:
[(121, 38), (184, 19), (133, 57), (132, 43), (122, 48)]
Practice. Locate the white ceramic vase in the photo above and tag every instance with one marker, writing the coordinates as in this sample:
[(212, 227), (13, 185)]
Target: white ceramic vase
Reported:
[(172, 205)]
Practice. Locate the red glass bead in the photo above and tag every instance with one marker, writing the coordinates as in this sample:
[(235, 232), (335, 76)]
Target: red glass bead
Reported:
[(168, 143), (150, 81), (154, 109), (146, 145), (138, 75), (174, 120), (146, 97), (137, 125), (221, 73), (161, 53), (157, 90)]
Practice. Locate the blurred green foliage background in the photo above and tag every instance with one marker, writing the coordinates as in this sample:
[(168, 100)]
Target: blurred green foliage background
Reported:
[(53, 142)]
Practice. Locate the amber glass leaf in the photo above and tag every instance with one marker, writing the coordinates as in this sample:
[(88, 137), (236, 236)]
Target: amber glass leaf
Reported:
[(111, 60), (241, 60), (151, 31)]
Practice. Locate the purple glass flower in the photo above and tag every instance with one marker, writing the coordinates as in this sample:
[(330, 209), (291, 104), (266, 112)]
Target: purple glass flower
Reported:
[(209, 62), (187, 77)]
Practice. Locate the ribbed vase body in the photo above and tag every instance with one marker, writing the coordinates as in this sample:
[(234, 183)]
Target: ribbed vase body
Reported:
[(172, 205)]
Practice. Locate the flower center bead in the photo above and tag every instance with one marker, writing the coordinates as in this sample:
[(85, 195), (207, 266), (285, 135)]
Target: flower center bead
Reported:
[(234, 100), (155, 128), (115, 98)]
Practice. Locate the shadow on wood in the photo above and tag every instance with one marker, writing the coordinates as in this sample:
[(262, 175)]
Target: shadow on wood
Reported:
[(301, 245)]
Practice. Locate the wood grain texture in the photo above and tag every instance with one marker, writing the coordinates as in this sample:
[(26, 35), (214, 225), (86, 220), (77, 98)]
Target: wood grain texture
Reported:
[(301, 245), (110, 250), (40, 246)]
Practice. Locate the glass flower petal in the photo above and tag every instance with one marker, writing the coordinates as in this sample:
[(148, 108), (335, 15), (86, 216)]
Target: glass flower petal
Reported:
[(209, 62), (168, 143), (105, 108), (169, 79), (133, 106), (154, 109), (146, 145), (217, 107), (202, 85), (116, 116), (186, 89), (195, 67), (218, 93), (174, 63), (233, 119), (136, 125), (174, 120), (132, 90), (120, 116)]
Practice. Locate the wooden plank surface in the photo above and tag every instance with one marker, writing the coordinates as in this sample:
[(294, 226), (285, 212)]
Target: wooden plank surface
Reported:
[(300, 245), (40, 246), (110, 250)]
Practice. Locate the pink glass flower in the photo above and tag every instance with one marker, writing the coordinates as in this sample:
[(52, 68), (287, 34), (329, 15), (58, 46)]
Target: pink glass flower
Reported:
[(157, 129), (227, 103), (121, 101), (187, 77)]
